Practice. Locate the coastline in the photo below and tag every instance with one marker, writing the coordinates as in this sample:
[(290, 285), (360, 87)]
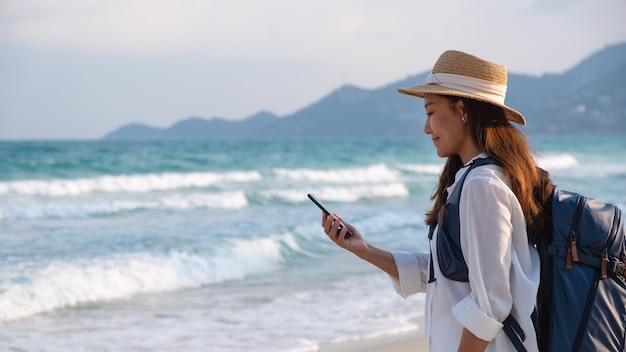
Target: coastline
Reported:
[(413, 341)]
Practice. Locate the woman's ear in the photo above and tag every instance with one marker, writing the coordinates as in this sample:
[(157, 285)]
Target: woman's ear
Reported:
[(460, 110)]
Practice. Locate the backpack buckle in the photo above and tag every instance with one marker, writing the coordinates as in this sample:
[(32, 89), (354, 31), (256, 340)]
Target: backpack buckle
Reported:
[(617, 268)]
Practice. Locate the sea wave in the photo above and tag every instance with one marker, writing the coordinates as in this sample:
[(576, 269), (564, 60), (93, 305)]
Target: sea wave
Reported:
[(340, 193), (569, 166), (370, 174), (141, 183), (66, 284), (428, 169), (81, 208), (556, 161)]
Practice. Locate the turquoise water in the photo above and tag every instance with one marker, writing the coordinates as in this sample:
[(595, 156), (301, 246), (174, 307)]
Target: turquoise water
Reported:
[(198, 246)]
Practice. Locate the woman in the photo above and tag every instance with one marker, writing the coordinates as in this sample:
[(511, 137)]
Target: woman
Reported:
[(500, 205)]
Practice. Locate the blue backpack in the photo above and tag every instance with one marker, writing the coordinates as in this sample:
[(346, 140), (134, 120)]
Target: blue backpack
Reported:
[(581, 303)]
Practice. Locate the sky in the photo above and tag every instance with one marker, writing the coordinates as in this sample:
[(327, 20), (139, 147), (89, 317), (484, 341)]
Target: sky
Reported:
[(78, 69)]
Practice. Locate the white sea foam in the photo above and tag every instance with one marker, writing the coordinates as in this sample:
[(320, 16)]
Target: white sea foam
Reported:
[(429, 169), (292, 320), (64, 284), (552, 162), (567, 165), (126, 183), (340, 193), (81, 208), (371, 174), (342, 305)]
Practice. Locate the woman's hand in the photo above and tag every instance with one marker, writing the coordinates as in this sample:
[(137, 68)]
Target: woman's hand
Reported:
[(354, 243), (357, 245)]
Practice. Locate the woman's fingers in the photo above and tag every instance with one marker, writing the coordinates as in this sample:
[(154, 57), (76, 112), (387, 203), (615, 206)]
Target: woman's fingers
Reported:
[(335, 227), (331, 225), (328, 223), (325, 219), (342, 233)]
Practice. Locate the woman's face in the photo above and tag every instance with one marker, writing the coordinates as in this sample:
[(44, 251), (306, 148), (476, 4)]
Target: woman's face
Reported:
[(446, 123)]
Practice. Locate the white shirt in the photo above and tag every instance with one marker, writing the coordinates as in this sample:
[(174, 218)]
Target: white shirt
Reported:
[(503, 269)]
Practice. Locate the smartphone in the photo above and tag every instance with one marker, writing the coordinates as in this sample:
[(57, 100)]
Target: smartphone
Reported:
[(321, 206)]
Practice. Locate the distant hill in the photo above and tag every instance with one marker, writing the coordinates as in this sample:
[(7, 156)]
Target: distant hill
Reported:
[(589, 99)]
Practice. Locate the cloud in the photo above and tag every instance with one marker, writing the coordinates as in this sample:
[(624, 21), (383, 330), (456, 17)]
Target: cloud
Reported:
[(344, 32), (229, 28), (135, 26), (349, 31)]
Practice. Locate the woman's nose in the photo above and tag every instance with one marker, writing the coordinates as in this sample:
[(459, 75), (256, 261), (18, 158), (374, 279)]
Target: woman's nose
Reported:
[(427, 129)]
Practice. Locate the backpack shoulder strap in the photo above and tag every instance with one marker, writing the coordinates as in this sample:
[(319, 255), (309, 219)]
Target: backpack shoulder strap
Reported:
[(455, 196), (450, 258)]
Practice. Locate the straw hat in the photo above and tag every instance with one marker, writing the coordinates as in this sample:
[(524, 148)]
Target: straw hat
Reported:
[(464, 75)]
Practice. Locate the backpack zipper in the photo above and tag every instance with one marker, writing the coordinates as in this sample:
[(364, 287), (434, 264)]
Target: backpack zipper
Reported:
[(572, 252), (612, 236)]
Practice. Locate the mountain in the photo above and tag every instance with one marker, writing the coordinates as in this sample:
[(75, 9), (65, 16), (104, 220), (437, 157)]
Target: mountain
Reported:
[(589, 99), (135, 131)]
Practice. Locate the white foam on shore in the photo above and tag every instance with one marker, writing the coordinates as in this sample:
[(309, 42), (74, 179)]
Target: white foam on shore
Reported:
[(142, 183), (354, 308), (350, 309)]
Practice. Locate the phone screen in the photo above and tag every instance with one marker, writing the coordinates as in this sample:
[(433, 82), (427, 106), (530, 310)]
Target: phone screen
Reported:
[(326, 211)]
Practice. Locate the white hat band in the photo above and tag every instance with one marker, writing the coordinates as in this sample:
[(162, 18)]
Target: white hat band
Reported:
[(488, 90)]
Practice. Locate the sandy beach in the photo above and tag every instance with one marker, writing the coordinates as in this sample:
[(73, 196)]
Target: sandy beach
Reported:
[(414, 341)]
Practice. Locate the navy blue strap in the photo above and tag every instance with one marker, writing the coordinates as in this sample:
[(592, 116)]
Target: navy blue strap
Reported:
[(454, 198), (615, 267), (514, 331), (431, 274)]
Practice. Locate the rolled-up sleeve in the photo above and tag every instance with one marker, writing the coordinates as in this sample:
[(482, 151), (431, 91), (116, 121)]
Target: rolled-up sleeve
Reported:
[(470, 315), (486, 232), (412, 269)]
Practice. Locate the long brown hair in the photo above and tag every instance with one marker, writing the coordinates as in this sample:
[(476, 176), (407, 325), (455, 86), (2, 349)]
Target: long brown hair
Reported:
[(495, 136)]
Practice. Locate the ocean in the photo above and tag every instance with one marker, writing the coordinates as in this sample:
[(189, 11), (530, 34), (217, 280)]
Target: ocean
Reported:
[(214, 246)]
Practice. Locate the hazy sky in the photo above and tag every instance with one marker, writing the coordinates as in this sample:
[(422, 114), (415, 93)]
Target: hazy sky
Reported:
[(75, 69)]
